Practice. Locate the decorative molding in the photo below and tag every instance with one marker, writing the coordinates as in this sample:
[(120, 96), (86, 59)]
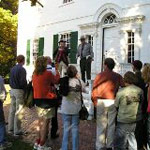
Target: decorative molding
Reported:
[(106, 9), (134, 19), (67, 20), (89, 25)]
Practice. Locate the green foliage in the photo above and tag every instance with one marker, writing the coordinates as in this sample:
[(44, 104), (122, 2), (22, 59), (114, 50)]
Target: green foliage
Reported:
[(11, 5), (19, 144), (34, 2), (8, 40)]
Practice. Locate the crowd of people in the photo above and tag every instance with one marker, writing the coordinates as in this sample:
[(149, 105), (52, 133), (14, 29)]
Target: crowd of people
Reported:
[(122, 107), (122, 104)]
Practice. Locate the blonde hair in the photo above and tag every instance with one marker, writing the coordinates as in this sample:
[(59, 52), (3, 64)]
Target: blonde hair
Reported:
[(40, 65), (146, 73)]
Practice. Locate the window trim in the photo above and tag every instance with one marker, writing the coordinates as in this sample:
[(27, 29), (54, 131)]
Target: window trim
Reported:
[(65, 4), (92, 37), (132, 51), (69, 33), (67, 1)]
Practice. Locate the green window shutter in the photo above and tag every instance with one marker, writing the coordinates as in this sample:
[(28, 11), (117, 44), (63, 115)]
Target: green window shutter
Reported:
[(73, 45), (28, 53), (41, 47), (55, 43)]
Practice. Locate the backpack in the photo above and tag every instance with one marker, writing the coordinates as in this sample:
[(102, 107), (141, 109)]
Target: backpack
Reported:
[(29, 100), (64, 86)]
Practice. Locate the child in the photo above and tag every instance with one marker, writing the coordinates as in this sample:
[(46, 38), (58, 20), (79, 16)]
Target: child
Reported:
[(129, 103)]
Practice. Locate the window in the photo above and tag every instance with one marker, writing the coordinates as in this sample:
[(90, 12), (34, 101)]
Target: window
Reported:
[(66, 1), (110, 19), (90, 39), (35, 49), (66, 37), (130, 47)]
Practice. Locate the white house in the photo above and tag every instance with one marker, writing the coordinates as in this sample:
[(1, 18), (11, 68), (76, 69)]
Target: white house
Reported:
[(116, 28)]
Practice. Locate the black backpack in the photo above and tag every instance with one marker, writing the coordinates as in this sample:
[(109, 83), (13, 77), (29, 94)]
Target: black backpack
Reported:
[(64, 86)]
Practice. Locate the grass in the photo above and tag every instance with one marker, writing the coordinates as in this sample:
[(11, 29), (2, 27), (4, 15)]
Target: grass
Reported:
[(17, 143)]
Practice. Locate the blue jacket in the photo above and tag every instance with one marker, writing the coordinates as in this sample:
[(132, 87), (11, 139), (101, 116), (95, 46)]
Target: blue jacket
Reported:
[(18, 77)]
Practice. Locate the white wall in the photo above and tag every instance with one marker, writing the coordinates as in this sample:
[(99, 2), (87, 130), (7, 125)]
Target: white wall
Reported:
[(57, 18)]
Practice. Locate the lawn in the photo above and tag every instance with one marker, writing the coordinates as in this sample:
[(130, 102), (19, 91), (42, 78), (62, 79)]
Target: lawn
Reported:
[(18, 144)]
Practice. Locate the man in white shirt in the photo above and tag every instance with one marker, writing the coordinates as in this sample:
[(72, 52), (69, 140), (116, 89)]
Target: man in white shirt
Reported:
[(54, 122)]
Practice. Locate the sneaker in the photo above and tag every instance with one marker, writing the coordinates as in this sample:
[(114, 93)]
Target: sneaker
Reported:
[(44, 148), (90, 117), (35, 147)]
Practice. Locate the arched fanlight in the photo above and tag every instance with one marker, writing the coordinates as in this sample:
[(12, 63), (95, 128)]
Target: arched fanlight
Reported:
[(110, 19)]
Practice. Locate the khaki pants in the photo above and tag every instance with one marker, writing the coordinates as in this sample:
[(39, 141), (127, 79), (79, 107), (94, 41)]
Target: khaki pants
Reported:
[(16, 110), (62, 67), (106, 115)]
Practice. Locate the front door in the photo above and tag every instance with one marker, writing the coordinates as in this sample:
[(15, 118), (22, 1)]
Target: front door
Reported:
[(111, 46)]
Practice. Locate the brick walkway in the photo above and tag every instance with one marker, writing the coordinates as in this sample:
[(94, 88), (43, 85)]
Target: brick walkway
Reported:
[(87, 131)]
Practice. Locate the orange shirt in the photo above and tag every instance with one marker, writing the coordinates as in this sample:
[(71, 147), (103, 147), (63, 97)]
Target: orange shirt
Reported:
[(106, 85), (43, 85)]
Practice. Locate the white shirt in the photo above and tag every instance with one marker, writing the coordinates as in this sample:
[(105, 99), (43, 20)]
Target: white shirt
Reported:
[(52, 69)]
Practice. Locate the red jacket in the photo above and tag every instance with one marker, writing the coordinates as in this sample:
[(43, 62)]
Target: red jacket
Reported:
[(43, 85), (106, 85)]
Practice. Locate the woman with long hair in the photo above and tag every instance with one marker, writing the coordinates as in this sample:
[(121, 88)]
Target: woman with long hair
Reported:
[(43, 82), (71, 105)]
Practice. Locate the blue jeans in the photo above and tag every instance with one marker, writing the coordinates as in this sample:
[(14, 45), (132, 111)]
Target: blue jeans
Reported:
[(125, 134), (2, 125), (70, 122)]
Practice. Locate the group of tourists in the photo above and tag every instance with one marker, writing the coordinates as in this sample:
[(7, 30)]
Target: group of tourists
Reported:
[(122, 107), (122, 104), (45, 80)]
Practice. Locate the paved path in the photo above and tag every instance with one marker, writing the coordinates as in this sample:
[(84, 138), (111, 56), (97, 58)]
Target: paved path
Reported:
[(87, 130)]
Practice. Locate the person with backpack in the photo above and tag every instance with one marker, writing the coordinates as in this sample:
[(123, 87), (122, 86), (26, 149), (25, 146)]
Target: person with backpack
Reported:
[(105, 87), (71, 105), (129, 105)]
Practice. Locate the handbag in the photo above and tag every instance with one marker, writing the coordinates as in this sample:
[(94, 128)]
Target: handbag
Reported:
[(83, 113), (29, 100)]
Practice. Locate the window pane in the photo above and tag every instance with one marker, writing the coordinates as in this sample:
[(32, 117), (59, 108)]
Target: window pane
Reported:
[(133, 40), (129, 34), (110, 19), (129, 47), (129, 59), (129, 40)]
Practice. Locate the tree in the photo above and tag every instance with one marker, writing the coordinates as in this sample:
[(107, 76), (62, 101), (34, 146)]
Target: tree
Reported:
[(11, 5), (34, 2), (8, 40)]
